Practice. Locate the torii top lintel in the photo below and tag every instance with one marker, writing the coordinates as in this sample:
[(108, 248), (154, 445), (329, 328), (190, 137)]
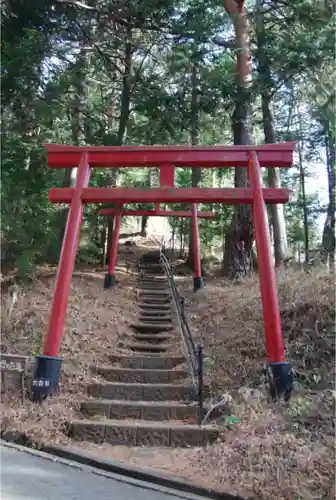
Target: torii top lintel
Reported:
[(269, 155)]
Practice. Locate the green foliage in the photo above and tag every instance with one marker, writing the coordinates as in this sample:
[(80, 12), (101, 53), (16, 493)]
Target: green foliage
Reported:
[(25, 207), (64, 80), (90, 253)]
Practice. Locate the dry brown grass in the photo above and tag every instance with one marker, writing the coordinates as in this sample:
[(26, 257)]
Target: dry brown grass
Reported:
[(273, 451), (96, 321), (278, 451), (228, 319)]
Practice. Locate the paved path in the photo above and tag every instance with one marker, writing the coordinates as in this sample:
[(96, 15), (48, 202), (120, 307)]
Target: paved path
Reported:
[(28, 476)]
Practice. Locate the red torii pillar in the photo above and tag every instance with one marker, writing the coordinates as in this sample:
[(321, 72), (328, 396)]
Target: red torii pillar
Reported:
[(48, 364), (110, 280), (281, 373), (198, 280)]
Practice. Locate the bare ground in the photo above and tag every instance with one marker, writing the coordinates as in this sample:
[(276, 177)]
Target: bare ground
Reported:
[(268, 451)]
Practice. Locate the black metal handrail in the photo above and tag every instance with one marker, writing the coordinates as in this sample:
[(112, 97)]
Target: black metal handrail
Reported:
[(193, 353)]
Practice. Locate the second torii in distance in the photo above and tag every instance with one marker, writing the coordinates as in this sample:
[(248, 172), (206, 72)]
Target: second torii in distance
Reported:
[(118, 213)]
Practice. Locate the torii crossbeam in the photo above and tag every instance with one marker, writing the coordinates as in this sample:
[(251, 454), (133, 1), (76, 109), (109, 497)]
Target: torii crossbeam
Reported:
[(167, 158)]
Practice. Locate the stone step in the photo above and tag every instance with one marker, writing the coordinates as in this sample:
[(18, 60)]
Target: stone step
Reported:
[(141, 392), (142, 433), (154, 299), (151, 255), (150, 279), (149, 338), (139, 410), (138, 347), (153, 307), (156, 293), (155, 312), (149, 362), (155, 282), (155, 259), (164, 286), (151, 269), (154, 286), (155, 335), (151, 262), (154, 273), (155, 319), (152, 327), (139, 375), (154, 289)]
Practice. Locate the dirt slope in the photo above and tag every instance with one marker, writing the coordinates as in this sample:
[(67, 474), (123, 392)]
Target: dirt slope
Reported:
[(267, 451)]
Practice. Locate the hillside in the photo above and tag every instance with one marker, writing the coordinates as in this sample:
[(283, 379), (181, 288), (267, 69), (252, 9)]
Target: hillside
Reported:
[(267, 450)]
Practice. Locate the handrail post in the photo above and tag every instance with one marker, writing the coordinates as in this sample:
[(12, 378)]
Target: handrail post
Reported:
[(200, 357)]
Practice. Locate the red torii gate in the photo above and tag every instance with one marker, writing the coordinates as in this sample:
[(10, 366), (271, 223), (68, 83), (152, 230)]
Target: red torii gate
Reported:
[(120, 212), (48, 364)]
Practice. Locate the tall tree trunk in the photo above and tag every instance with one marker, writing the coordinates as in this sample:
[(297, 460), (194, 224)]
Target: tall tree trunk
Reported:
[(123, 120), (239, 238), (114, 182), (126, 88), (76, 115), (196, 175), (144, 222), (103, 246), (302, 198), (265, 82), (144, 219), (328, 236), (181, 231)]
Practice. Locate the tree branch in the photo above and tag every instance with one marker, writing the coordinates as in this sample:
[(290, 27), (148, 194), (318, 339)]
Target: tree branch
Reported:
[(227, 44), (110, 14), (138, 71), (98, 49), (231, 7), (81, 5)]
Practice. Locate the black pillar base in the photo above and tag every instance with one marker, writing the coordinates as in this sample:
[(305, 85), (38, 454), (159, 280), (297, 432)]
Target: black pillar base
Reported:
[(198, 283), (109, 281), (281, 379), (46, 377)]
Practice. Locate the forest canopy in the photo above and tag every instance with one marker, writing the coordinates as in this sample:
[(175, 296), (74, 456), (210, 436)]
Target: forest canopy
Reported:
[(172, 72)]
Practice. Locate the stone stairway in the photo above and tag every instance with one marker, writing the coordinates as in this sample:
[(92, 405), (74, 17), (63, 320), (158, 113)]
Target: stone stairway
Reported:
[(143, 400)]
